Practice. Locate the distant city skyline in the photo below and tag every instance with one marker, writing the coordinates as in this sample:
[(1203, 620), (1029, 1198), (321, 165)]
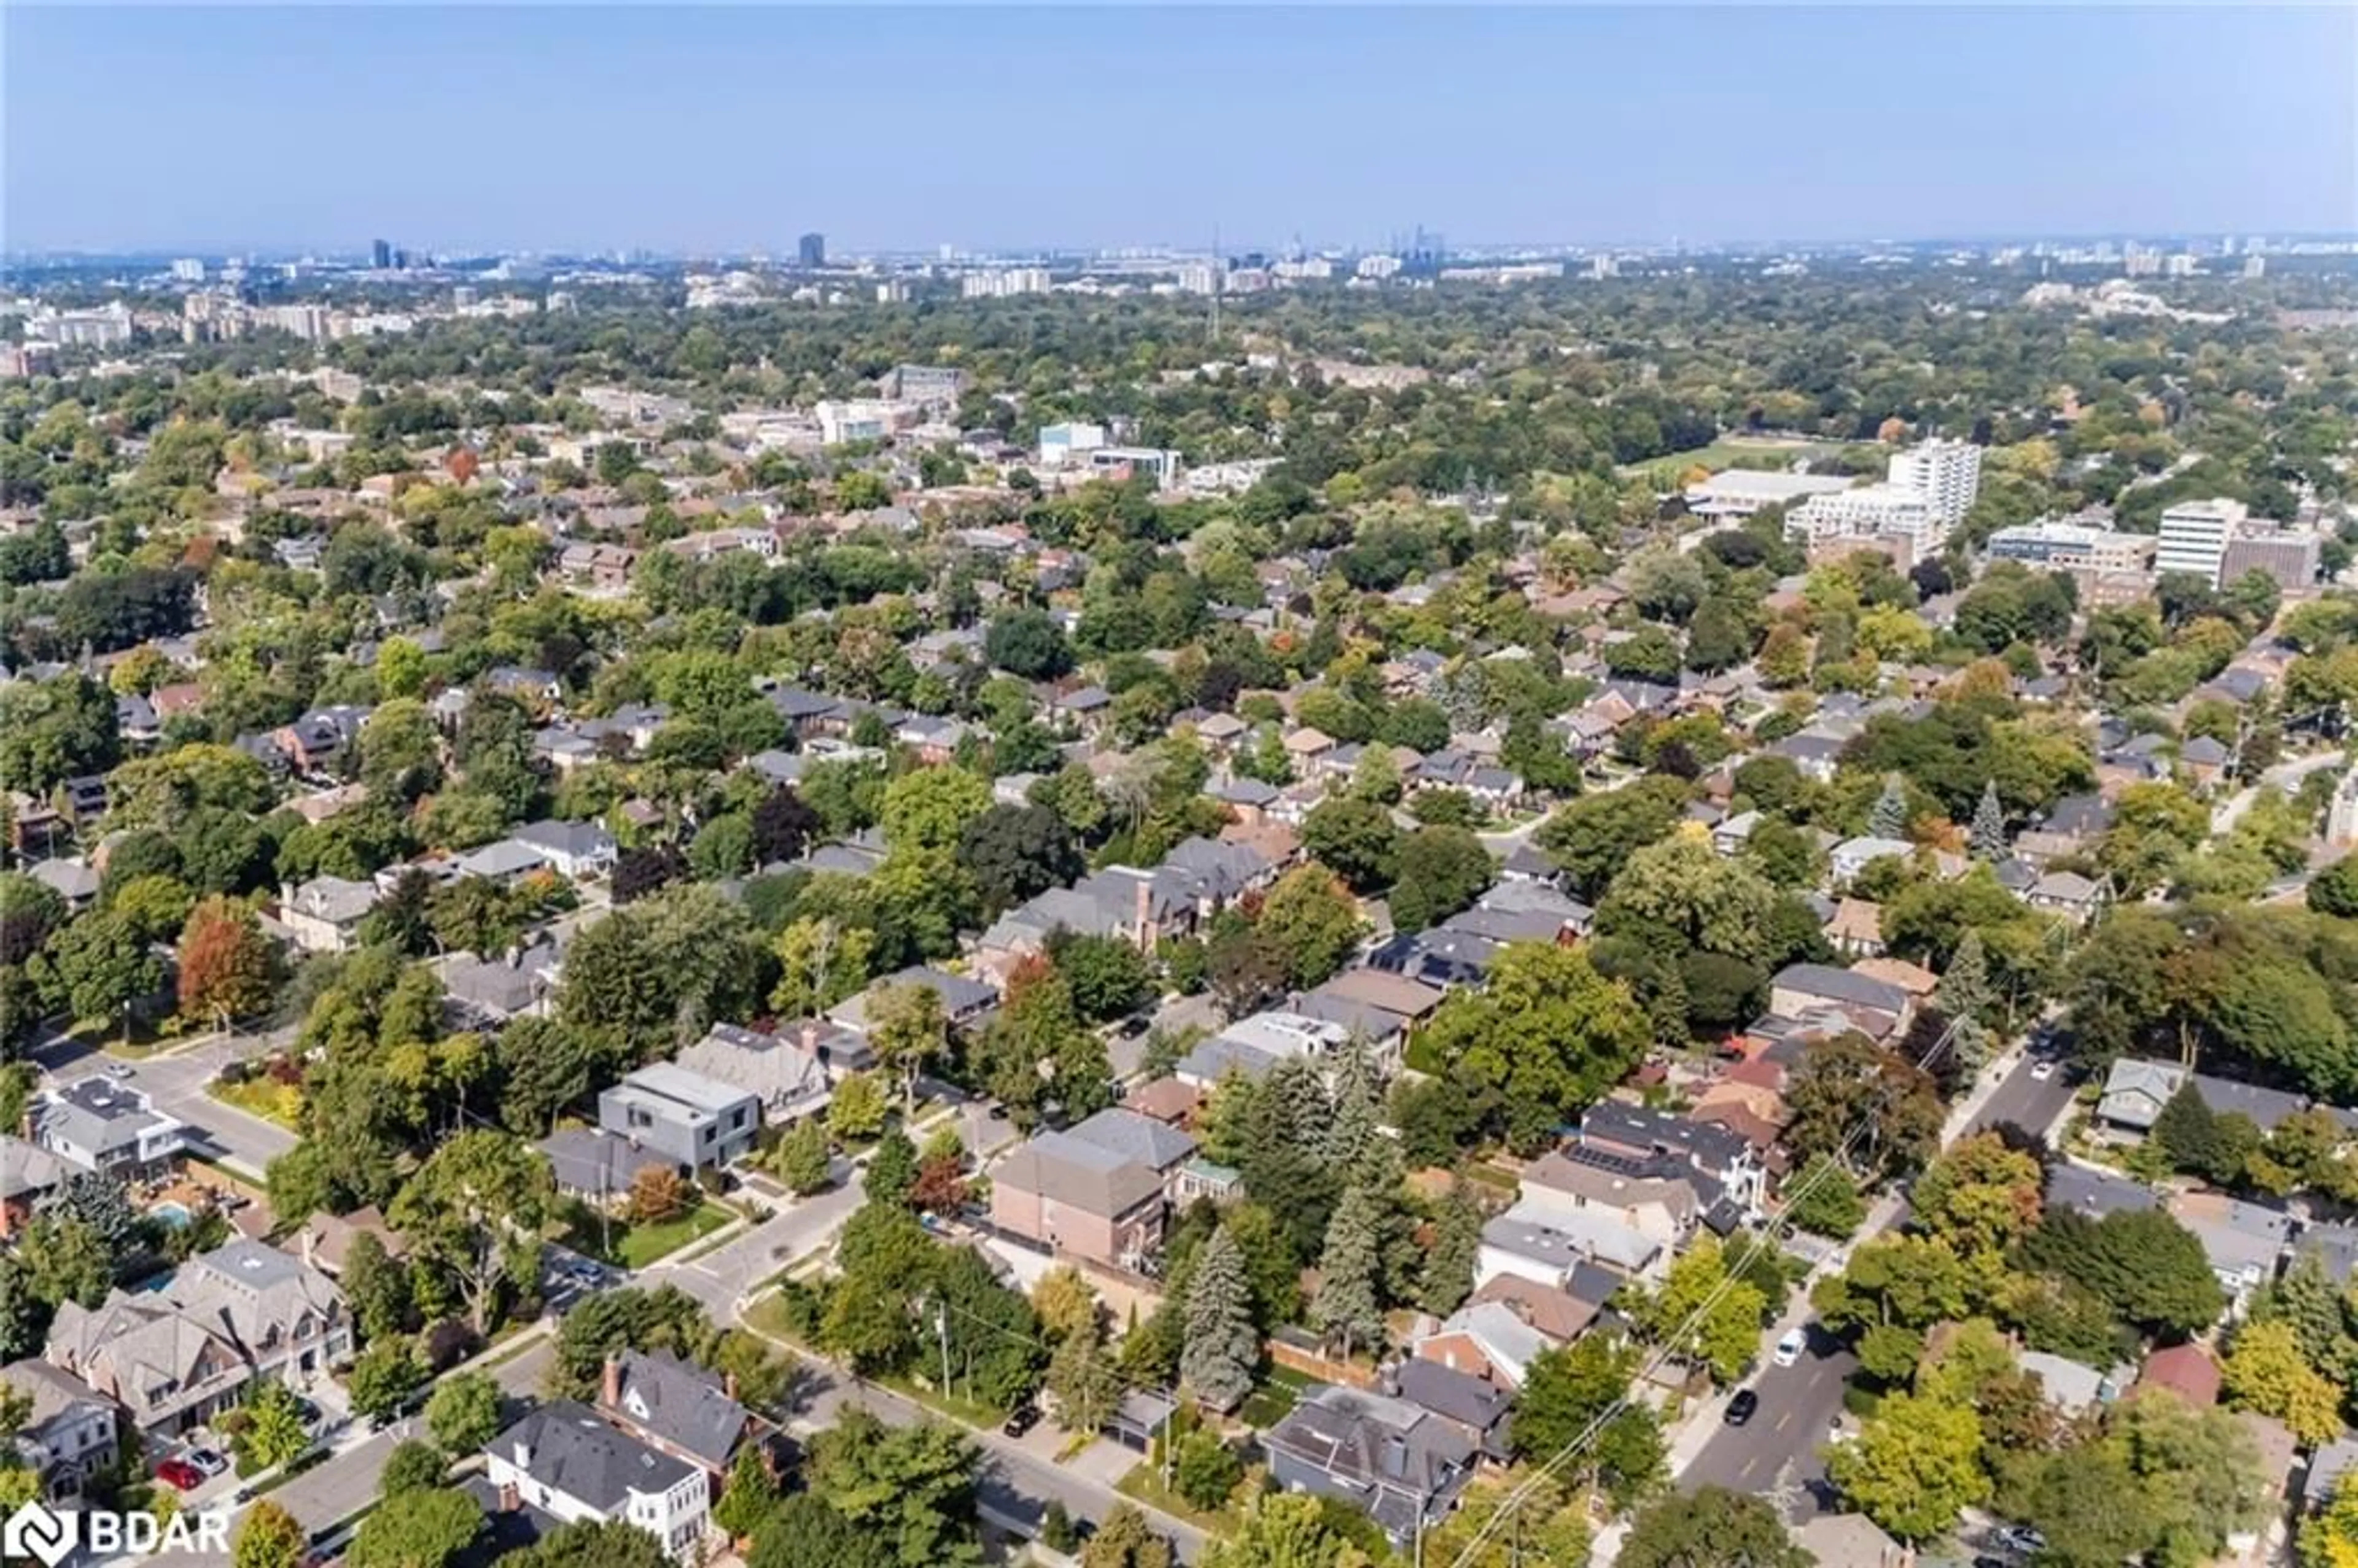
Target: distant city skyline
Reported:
[(590, 129)]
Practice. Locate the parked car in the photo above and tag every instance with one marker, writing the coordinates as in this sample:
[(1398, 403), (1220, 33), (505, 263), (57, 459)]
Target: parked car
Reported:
[(1741, 1407), (180, 1474), (1789, 1349), (119, 1071), (2019, 1538), (2042, 1069), (206, 1462), (1021, 1420)]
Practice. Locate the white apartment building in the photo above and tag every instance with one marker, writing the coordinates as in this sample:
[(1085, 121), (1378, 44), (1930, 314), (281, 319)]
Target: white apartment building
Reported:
[(1004, 285), (2194, 536), (1199, 277), (1948, 474), (1871, 509), (188, 269)]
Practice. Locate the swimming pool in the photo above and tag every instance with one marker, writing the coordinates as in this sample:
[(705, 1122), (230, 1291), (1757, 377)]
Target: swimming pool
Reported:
[(175, 1215)]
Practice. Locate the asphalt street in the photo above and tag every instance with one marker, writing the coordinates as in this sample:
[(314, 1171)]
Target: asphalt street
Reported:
[(338, 1488), (1778, 1453), (721, 1277), (174, 1079)]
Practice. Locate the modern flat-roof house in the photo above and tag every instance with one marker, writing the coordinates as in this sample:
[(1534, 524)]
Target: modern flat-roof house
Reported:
[(1401, 1464), (699, 1122), (68, 1434), (787, 1075), (104, 1126), (179, 1355), (1074, 1195), (566, 1462)]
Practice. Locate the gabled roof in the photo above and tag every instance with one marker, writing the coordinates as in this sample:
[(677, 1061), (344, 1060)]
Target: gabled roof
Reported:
[(676, 1404), (1842, 986), (565, 1447)]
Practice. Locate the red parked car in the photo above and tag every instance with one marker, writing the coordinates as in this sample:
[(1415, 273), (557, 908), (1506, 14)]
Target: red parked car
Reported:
[(180, 1474)]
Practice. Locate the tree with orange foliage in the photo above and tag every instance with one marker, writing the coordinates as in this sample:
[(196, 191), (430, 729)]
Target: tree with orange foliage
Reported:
[(462, 464), (226, 969)]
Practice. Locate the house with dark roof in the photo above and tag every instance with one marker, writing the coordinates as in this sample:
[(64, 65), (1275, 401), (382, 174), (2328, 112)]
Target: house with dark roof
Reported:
[(2096, 1193), (677, 1407), (787, 1075), (564, 1460), (1875, 1007), (599, 1166), (1398, 1464), (1480, 1410), (1142, 1139), (1638, 1133)]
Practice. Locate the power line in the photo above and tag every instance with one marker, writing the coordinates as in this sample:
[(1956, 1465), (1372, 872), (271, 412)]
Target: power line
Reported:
[(1663, 1353)]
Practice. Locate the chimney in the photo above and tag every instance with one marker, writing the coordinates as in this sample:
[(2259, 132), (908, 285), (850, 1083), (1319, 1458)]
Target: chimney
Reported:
[(610, 1383), (810, 1036), (1145, 914), (509, 1500), (729, 1384)]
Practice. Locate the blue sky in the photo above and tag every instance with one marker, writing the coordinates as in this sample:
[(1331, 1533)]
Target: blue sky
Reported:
[(594, 128)]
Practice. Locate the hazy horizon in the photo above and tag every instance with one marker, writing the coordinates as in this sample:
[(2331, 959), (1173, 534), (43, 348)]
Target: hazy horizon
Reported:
[(591, 129)]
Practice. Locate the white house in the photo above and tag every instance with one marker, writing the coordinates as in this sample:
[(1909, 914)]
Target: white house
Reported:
[(566, 1462)]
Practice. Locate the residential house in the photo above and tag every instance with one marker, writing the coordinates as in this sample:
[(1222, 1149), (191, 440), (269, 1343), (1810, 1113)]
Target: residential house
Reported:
[(28, 1174), (317, 742), (1087, 709), (1875, 1008), (325, 1241), (1256, 1044), (1380, 1009), (1853, 856), (1857, 929), (1396, 1463), (1655, 1197), (598, 1166), (965, 1002), (1141, 1140), (1543, 1245), (701, 1122), (71, 880), (178, 1355), (324, 914), (1480, 1410), (564, 1461), (67, 1436), (2067, 894), (673, 1406), (1496, 1338), (110, 1128), (2073, 1388), (515, 984), (787, 1076), (2096, 1193), (2242, 1240), (1617, 1129), (1073, 1195), (578, 850), (2137, 1090)]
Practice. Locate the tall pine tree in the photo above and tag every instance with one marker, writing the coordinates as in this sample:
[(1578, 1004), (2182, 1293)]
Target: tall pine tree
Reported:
[(1987, 840), (1964, 991), (1447, 1278), (1219, 1345), (1888, 819), (1349, 1307)]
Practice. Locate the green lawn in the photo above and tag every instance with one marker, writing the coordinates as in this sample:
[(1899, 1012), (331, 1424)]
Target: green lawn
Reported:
[(1726, 454), (1278, 1393), (629, 1246), (1144, 1485)]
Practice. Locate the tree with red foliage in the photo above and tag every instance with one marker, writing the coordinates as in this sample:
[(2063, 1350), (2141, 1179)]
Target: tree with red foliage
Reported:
[(940, 1187), (225, 962)]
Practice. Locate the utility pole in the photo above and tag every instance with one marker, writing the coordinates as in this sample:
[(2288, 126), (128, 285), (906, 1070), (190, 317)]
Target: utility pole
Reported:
[(942, 1332)]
